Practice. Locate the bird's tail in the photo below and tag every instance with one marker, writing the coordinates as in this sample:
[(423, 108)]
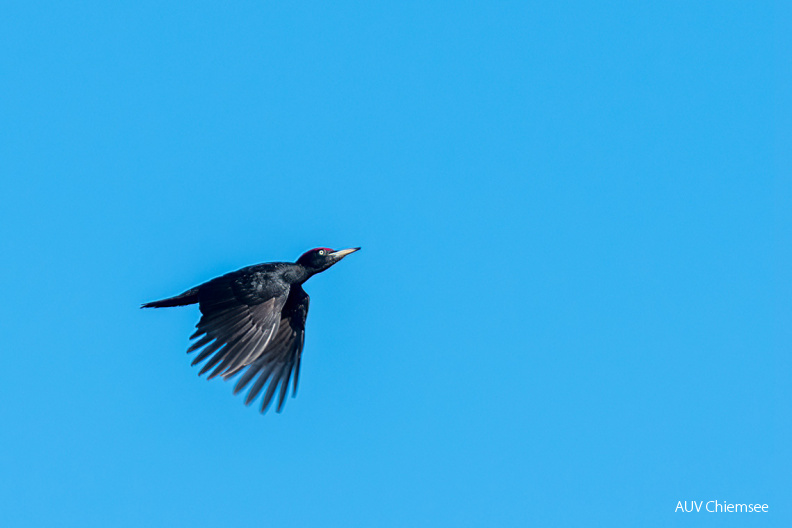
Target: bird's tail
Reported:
[(188, 297)]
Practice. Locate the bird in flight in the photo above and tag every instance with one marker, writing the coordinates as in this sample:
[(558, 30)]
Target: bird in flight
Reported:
[(253, 320)]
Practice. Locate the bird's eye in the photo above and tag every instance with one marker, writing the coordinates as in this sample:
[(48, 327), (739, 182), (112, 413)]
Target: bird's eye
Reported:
[(321, 251)]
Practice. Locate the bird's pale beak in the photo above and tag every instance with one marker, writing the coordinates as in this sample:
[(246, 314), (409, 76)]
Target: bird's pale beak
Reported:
[(341, 253)]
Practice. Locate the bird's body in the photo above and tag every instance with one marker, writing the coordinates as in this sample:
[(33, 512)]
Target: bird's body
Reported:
[(253, 319)]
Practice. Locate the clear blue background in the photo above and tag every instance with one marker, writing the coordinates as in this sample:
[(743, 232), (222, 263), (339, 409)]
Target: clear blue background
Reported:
[(571, 307)]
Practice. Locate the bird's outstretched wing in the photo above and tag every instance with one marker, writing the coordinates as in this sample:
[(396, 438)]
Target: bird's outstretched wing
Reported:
[(281, 358), (241, 315)]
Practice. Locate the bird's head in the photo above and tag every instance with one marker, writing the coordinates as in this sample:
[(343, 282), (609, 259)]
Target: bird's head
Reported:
[(319, 259)]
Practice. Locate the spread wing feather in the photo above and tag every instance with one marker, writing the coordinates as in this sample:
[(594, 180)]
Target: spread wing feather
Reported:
[(281, 358), (239, 319)]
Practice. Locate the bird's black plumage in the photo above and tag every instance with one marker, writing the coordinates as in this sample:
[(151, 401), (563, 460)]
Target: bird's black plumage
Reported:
[(253, 320)]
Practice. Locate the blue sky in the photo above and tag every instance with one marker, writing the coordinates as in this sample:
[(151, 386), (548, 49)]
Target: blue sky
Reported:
[(572, 303)]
